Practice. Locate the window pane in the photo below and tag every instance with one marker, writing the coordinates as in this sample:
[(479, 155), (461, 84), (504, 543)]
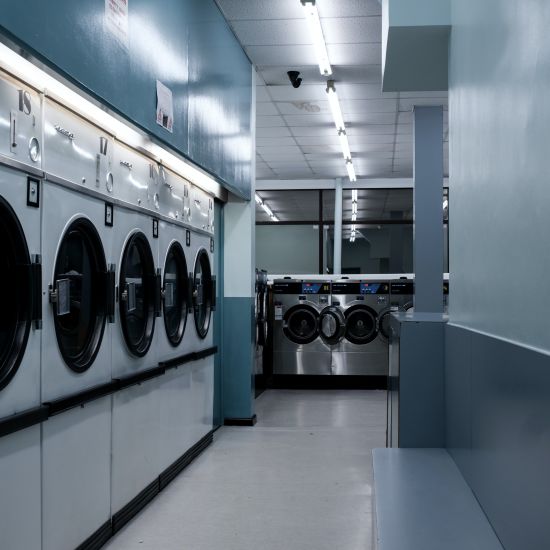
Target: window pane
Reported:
[(289, 206), (287, 249), (379, 204)]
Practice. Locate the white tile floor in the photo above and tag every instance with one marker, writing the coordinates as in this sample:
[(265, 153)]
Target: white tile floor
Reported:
[(300, 479)]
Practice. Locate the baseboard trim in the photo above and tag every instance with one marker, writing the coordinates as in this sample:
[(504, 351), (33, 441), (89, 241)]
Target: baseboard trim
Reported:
[(320, 382), (126, 513), (181, 463), (99, 538), (240, 421)]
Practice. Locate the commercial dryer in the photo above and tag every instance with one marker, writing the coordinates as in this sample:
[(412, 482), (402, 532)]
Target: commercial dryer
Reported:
[(136, 408), (298, 346), (20, 335), (361, 351), (77, 253)]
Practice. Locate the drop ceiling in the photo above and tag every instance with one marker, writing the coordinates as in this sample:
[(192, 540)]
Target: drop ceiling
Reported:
[(295, 134)]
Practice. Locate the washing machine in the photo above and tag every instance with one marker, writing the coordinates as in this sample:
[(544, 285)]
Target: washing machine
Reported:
[(261, 323), (446, 295), (299, 347), (201, 336), (138, 323), (78, 304), (402, 294), (20, 334), (362, 350), (176, 406)]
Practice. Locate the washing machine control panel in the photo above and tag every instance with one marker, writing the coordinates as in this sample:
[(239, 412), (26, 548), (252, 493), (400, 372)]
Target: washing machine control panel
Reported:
[(361, 289), (303, 288)]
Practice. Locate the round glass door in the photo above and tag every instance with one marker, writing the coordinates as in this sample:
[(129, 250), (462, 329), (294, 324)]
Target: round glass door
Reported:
[(332, 325), (384, 327), (15, 315), (202, 293), (137, 294), (301, 324), (80, 300), (175, 294), (361, 326)]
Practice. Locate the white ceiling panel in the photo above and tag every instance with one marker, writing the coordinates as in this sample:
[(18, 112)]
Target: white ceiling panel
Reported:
[(352, 30), (287, 56), (355, 54), (371, 130), (362, 91), (261, 94), (348, 8), (306, 92), (305, 131), (318, 140), (309, 120), (266, 109), (273, 32), (273, 132), (260, 9), (269, 121), (275, 142)]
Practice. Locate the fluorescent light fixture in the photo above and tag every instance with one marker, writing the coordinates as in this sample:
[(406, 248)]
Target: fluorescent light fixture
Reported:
[(354, 195), (354, 217), (259, 201), (316, 31), (335, 106), (344, 144), (445, 204), (274, 218), (268, 210), (354, 208), (351, 170)]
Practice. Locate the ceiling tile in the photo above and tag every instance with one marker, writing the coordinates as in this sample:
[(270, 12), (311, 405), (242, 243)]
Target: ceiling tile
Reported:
[(272, 132), (352, 30), (275, 74), (260, 9), (269, 121), (272, 32), (265, 109), (261, 93), (348, 8), (275, 142), (355, 54)]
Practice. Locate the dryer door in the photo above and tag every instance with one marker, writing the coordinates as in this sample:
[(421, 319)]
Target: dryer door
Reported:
[(175, 294), (138, 294), (301, 324), (78, 295), (203, 293), (361, 324), (15, 314), (332, 325)]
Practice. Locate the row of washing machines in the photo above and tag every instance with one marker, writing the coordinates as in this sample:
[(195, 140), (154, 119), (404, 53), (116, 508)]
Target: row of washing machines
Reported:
[(106, 347), (336, 327)]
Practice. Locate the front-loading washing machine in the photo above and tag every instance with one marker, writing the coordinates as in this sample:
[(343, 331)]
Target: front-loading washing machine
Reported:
[(201, 335), (136, 408), (361, 351), (176, 406), (20, 249), (78, 298), (298, 345)]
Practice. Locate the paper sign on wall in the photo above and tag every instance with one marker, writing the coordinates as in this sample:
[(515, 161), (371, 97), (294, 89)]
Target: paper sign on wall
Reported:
[(116, 20), (165, 107)]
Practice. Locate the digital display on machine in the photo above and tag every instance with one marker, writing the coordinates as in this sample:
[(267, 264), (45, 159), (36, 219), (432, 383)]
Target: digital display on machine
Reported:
[(311, 288), (373, 288)]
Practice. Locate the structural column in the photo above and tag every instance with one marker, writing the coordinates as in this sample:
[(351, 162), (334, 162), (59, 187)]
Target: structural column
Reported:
[(428, 209), (338, 228)]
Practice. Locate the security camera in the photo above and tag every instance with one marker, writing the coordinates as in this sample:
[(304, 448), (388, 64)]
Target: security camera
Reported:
[(294, 78)]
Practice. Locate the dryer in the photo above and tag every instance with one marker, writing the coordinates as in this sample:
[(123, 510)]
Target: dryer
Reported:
[(298, 347), (20, 337), (78, 297), (136, 408), (361, 351), (176, 407), (201, 336)]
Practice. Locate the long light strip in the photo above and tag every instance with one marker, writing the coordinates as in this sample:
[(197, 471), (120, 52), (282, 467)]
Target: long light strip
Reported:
[(53, 88), (268, 211), (340, 128), (316, 31)]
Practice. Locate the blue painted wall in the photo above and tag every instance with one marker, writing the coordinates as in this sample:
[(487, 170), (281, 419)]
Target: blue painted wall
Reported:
[(186, 44), (498, 342)]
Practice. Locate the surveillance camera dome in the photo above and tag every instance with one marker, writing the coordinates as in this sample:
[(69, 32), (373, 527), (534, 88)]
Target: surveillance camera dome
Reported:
[(294, 78)]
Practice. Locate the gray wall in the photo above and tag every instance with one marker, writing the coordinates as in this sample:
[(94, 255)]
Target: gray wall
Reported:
[(287, 248), (497, 366)]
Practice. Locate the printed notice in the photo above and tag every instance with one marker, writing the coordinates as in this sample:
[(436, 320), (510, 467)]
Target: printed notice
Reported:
[(116, 20), (165, 107)]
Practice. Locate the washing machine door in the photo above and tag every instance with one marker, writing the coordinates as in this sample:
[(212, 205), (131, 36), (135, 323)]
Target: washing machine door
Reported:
[(15, 314), (332, 325), (301, 324), (384, 327), (79, 295), (138, 288), (175, 294), (204, 293), (361, 324)]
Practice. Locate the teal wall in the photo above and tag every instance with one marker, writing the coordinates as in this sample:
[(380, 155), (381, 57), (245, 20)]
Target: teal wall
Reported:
[(498, 342), (186, 44)]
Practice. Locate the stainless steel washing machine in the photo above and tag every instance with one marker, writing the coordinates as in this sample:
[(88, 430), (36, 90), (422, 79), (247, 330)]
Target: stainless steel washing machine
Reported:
[(298, 346), (361, 350), (20, 334)]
